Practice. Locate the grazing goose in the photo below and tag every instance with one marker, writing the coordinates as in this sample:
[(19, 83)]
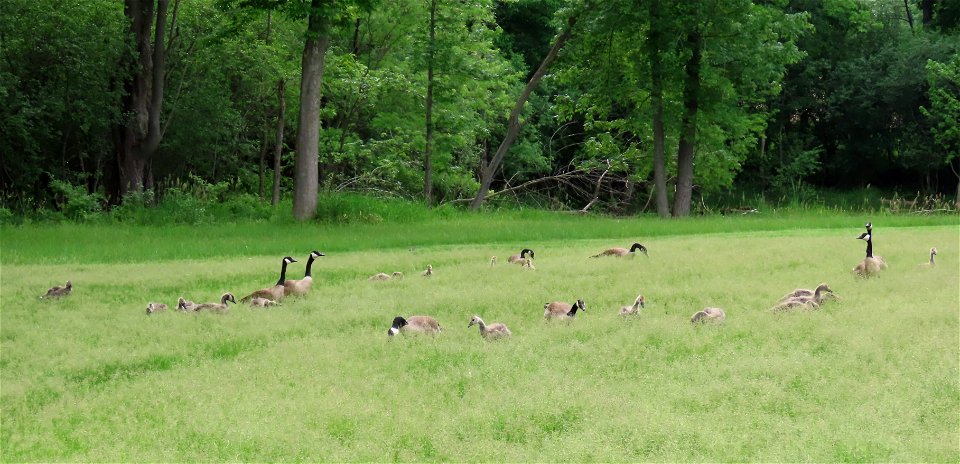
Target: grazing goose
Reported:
[(562, 309), (218, 308), (619, 252), (186, 305), (415, 325), (807, 293), (155, 308), (635, 308), (932, 263), (58, 291), (870, 266), (518, 259), (263, 303), (428, 272), (492, 331), (278, 291), (709, 315), (302, 286)]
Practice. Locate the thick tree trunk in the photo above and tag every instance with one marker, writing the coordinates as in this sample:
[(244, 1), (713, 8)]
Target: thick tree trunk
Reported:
[(654, 40), (305, 175), (926, 7), (688, 127), (278, 148), (428, 152), (513, 125), (140, 135)]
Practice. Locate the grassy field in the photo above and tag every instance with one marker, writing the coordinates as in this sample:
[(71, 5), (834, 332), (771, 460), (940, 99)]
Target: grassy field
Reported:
[(873, 377)]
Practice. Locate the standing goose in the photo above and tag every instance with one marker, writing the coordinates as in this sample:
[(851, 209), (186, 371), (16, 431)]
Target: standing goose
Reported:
[(415, 324), (155, 308), (932, 263), (490, 332), (218, 308), (635, 308), (428, 272), (619, 252), (870, 266), (528, 264), (186, 305), (58, 291), (883, 262), (302, 286), (277, 292), (493, 260), (709, 315), (562, 309), (519, 259)]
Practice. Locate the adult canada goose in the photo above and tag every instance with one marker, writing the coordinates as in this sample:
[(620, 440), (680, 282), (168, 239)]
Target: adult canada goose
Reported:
[(414, 324), (638, 304), (58, 291), (932, 263), (490, 332), (302, 286), (870, 266), (562, 309), (278, 291), (883, 262), (619, 252), (528, 264), (428, 272), (186, 305), (218, 307), (262, 303), (709, 315), (155, 308), (518, 259), (807, 293)]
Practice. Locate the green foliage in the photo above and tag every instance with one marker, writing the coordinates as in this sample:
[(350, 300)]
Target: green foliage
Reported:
[(944, 94), (74, 201)]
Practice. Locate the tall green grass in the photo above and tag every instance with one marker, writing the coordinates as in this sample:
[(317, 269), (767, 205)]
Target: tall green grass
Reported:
[(873, 377)]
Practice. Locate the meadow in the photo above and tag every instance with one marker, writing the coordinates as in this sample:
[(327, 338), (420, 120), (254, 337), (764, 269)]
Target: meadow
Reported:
[(872, 377)]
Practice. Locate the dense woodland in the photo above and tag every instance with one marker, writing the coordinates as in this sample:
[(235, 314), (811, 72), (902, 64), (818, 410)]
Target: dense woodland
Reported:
[(619, 106)]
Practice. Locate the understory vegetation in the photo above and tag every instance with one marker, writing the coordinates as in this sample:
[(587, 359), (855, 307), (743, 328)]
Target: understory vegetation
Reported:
[(871, 377)]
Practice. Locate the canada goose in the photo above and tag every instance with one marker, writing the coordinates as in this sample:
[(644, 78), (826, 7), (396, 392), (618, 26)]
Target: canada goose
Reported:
[(217, 307), (428, 272), (490, 332), (807, 293), (622, 251), (709, 315), (155, 308), (562, 309), (384, 276), (276, 292), (186, 305), (518, 259), (263, 303), (415, 324), (795, 303), (883, 262), (528, 264), (58, 291), (635, 308), (302, 286), (932, 263), (493, 261), (869, 266)]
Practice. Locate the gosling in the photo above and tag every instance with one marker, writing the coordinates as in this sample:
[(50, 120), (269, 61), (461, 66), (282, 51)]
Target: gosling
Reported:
[(428, 272), (795, 303), (58, 291), (262, 302), (562, 310), (715, 315), (932, 263), (528, 264), (186, 305), (218, 308), (155, 308), (493, 331), (820, 293), (633, 310), (493, 261)]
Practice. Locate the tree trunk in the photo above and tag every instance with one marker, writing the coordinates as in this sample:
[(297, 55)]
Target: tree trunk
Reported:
[(278, 148), (688, 127), (305, 174), (906, 6), (513, 125), (926, 7), (428, 152), (140, 135), (654, 40), (262, 171)]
